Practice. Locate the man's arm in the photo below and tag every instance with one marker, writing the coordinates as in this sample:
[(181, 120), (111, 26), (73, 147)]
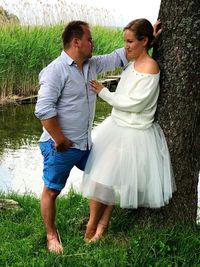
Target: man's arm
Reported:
[(45, 110), (110, 62), (52, 126)]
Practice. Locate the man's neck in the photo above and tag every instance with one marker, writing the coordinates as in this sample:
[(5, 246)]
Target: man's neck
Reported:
[(75, 57)]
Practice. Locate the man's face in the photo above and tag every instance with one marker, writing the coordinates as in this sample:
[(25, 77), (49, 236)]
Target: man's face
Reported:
[(86, 45)]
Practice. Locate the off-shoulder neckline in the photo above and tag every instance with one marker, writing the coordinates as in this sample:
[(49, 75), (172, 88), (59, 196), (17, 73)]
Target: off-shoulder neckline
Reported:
[(143, 73)]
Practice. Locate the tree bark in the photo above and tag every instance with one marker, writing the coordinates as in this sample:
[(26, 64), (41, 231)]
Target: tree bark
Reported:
[(178, 113)]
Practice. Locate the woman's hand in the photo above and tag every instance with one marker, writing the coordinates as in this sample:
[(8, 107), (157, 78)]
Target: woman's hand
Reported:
[(157, 29), (96, 86)]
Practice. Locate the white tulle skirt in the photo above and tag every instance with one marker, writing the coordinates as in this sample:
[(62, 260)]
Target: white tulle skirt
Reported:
[(129, 166)]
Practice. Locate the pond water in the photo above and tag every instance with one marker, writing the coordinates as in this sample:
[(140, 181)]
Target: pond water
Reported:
[(20, 157)]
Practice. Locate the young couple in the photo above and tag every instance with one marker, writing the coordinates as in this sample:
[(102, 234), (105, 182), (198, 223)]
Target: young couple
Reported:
[(129, 162)]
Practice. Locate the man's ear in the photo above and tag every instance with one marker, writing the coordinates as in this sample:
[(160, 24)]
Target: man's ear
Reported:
[(76, 42)]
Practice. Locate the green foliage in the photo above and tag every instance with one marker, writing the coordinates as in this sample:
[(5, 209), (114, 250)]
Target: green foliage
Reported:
[(106, 39), (127, 244), (26, 50)]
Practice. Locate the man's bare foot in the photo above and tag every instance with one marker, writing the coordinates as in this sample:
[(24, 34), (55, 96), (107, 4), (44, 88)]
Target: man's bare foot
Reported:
[(101, 231), (54, 244)]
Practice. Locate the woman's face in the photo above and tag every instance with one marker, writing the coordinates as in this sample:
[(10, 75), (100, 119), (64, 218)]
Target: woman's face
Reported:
[(132, 46)]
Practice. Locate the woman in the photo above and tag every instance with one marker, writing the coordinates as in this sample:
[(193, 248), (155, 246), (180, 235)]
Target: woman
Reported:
[(129, 163)]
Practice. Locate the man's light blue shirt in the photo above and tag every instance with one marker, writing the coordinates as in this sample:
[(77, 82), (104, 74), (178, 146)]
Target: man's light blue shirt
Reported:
[(65, 92)]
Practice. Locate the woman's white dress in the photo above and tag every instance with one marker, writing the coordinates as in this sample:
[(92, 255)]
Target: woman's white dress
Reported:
[(129, 163)]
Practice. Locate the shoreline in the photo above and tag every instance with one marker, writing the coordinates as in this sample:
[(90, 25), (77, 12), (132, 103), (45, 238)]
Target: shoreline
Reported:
[(17, 100)]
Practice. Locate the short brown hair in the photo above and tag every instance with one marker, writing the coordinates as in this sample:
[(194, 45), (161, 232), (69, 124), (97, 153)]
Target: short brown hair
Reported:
[(142, 28), (74, 29)]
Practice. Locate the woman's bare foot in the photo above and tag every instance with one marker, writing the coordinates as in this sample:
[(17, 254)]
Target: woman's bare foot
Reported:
[(89, 233), (54, 244), (101, 231)]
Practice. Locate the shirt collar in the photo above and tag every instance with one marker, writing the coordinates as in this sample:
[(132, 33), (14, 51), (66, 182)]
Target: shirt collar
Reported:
[(67, 58)]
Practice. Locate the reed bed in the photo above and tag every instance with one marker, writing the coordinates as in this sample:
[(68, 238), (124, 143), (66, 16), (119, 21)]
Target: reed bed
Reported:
[(25, 50), (44, 12)]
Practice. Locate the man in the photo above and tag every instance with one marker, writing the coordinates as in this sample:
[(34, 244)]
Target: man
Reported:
[(66, 107)]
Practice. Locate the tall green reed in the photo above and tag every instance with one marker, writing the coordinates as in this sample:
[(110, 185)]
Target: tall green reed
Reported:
[(26, 50)]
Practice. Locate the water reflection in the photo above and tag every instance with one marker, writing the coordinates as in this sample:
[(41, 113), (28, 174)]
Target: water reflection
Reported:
[(20, 158), (18, 127)]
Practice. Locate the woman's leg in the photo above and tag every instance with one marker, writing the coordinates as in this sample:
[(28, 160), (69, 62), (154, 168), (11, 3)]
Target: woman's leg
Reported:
[(100, 213), (103, 223), (96, 212)]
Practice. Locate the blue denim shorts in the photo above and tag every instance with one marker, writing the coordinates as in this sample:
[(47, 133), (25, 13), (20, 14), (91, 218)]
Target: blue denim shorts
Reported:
[(57, 165)]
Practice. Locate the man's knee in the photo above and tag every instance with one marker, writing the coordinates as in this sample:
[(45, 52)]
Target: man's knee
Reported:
[(51, 193)]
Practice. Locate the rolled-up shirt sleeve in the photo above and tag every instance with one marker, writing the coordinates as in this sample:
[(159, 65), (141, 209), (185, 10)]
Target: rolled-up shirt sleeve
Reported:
[(50, 89), (139, 97)]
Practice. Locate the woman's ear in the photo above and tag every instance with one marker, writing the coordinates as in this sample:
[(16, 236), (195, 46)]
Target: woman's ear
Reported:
[(145, 41)]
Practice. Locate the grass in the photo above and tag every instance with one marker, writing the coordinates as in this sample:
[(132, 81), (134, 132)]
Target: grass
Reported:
[(26, 50), (22, 241)]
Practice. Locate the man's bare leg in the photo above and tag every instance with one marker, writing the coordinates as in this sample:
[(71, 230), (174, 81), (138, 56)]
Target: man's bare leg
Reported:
[(48, 212)]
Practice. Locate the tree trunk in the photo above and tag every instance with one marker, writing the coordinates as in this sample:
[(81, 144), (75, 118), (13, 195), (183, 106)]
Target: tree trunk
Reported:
[(178, 113)]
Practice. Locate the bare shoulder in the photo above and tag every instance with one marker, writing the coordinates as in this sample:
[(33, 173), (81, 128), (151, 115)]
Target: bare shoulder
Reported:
[(151, 66)]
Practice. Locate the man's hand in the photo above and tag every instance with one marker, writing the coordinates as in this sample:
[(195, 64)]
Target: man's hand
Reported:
[(157, 29), (62, 143)]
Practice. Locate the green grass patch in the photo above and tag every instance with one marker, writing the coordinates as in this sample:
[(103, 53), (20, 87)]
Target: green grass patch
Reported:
[(23, 243)]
